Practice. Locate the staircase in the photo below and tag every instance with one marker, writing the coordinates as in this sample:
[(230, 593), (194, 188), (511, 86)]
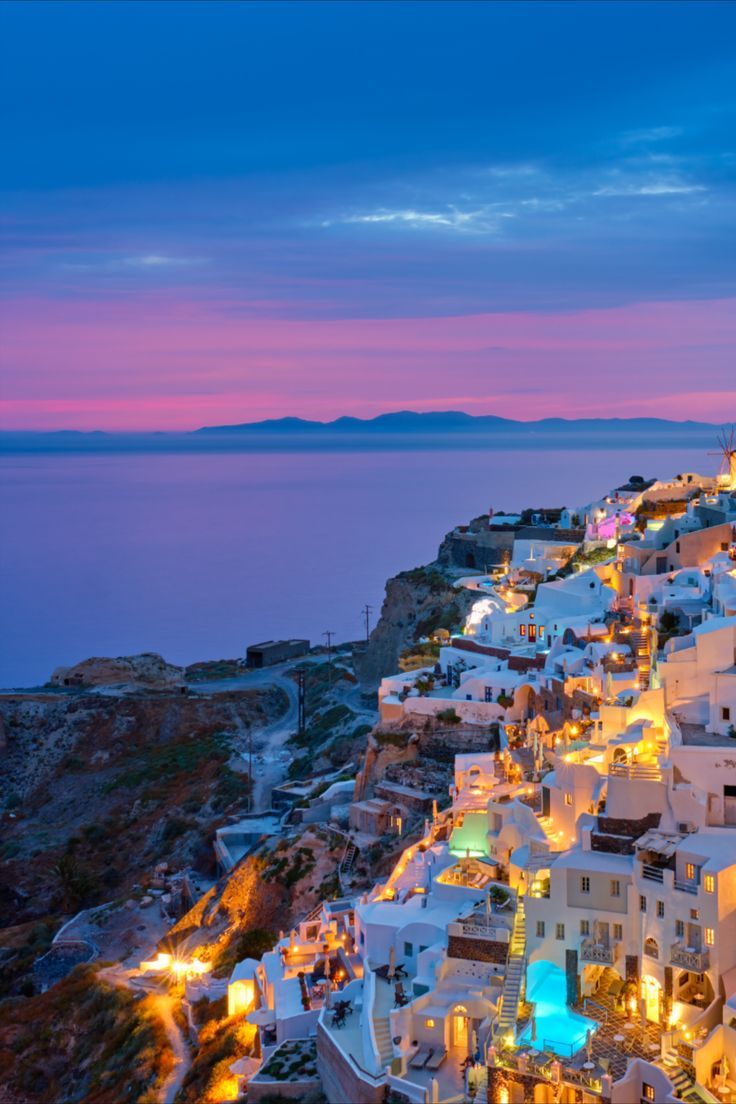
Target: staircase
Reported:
[(346, 863), (513, 980), (639, 643), (382, 1029), (682, 1082)]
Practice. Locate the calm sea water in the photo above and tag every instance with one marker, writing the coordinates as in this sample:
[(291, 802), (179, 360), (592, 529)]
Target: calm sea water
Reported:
[(195, 556)]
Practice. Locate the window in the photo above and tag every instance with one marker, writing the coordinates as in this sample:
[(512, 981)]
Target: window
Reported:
[(489, 693), (690, 871), (642, 904), (679, 928), (429, 1023), (559, 931), (660, 909), (618, 931), (709, 883), (408, 950), (647, 1091), (541, 636), (694, 914), (568, 799), (585, 884), (540, 929), (522, 630), (710, 937), (725, 713), (585, 927), (615, 887)]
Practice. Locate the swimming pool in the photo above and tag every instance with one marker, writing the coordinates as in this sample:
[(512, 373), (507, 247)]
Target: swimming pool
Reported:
[(471, 838), (557, 1028)]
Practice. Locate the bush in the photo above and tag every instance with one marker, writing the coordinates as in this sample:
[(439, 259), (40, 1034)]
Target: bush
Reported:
[(448, 716)]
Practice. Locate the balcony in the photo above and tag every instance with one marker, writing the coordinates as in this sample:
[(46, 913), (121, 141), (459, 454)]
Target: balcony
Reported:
[(686, 887), (689, 958), (652, 873), (591, 951)]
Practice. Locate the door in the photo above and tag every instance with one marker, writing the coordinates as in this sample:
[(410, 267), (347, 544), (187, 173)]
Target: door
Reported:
[(460, 1029), (729, 804), (652, 998), (532, 633)]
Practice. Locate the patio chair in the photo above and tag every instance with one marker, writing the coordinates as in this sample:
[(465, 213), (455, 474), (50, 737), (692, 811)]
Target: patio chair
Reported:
[(436, 1059), (420, 1057)]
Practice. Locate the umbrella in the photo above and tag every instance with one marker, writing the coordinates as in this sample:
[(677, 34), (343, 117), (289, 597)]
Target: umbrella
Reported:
[(392, 964), (589, 1044), (533, 1030)]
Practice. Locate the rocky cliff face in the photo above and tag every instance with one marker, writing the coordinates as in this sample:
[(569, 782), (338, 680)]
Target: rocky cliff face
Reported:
[(417, 603), (96, 789)]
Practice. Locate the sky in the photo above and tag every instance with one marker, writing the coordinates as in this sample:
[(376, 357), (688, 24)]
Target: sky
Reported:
[(225, 212)]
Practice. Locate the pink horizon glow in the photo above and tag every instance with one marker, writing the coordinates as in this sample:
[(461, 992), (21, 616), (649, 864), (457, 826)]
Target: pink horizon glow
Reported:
[(175, 363)]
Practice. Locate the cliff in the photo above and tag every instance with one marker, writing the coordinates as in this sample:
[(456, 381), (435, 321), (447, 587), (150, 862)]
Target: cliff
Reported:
[(417, 603)]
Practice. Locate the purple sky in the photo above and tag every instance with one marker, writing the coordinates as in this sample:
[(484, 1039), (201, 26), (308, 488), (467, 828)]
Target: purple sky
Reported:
[(226, 212)]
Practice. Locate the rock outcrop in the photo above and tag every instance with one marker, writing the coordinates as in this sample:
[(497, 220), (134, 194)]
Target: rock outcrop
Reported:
[(417, 603), (146, 670)]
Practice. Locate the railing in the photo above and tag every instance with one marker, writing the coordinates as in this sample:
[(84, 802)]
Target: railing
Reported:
[(652, 873), (600, 1013), (633, 771), (689, 958), (591, 951), (686, 887)]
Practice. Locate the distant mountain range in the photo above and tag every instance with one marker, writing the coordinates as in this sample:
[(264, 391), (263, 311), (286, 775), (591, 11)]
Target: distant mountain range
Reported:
[(404, 429), (447, 421)]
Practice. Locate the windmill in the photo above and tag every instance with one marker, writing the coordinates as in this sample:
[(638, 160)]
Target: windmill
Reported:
[(727, 452)]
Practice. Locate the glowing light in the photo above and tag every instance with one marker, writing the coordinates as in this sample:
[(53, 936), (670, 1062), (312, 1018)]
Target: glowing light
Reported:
[(240, 996)]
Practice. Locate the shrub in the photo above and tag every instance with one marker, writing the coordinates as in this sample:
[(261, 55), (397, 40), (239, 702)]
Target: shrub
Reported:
[(448, 716)]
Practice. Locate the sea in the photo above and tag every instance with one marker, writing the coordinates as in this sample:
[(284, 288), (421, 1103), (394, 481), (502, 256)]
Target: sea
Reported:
[(196, 556)]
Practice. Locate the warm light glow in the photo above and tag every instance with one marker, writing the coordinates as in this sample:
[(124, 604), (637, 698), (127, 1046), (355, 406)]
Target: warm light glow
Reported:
[(240, 996), (429, 1023)]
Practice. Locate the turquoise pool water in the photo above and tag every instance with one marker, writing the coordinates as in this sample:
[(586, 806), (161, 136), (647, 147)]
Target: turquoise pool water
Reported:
[(557, 1028), (471, 836)]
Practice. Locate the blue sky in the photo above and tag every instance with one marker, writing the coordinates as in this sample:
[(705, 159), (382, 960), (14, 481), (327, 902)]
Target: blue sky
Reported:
[(357, 162)]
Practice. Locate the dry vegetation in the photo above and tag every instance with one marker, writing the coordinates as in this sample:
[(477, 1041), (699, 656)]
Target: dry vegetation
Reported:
[(83, 1041)]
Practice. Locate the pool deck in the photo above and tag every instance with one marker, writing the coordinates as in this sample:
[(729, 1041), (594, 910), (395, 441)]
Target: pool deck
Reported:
[(616, 1040)]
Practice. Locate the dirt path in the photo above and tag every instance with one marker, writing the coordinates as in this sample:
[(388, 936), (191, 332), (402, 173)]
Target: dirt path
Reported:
[(164, 1006), (182, 1059)]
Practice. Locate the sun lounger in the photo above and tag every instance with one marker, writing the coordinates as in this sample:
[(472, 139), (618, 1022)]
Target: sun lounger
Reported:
[(420, 1058), (436, 1059)]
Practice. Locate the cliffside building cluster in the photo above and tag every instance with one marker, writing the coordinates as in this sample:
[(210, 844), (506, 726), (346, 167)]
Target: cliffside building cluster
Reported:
[(564, 930)]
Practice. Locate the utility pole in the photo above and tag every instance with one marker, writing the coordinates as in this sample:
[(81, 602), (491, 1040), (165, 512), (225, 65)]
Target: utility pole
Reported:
[(250, 769), (329, 634), (301, 700), (367, 611)]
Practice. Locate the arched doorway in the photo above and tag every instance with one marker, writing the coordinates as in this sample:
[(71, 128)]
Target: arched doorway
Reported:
[(651, 992), (459, 1028)]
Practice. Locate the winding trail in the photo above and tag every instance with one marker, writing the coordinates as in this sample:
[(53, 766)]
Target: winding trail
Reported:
[(182, 1058), (164, 1007)]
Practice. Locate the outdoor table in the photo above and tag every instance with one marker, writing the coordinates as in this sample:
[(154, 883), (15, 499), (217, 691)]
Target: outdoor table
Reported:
[(653, 1047), (629, 1026), (618, 1038), (589, 1065)]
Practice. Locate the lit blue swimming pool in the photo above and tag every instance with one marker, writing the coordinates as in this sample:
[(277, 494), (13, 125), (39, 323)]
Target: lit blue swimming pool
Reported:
[(557, 1028)]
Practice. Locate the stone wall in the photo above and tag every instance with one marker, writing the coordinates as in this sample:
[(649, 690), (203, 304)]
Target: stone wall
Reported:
[(476, 949), (340, 1081)]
